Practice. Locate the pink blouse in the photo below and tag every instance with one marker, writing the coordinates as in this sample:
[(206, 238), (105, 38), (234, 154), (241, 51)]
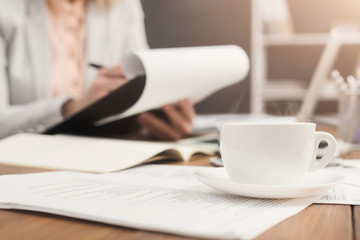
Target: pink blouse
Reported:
[(67, 37)]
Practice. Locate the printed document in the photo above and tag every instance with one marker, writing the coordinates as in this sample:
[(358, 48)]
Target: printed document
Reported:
[(153, 197), (347, 193)]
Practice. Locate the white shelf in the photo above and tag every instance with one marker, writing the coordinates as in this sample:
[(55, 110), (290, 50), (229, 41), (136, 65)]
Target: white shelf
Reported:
[(283, 90), (264, 89), (294, 90), (296, 39), (311, 39)]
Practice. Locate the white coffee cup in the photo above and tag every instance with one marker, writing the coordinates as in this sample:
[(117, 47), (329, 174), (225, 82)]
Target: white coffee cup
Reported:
[(272, 153)]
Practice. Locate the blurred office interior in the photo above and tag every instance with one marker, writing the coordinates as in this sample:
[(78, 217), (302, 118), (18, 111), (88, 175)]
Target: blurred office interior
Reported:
[(214, 22)]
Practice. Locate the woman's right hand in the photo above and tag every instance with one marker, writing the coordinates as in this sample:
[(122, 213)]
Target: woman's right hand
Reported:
[(107, 80)]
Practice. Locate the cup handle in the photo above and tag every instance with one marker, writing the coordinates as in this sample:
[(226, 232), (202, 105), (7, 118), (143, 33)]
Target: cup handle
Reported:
[(319, 164)]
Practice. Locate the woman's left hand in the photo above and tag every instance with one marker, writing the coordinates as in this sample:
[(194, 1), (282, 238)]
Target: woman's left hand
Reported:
[(179, 125)]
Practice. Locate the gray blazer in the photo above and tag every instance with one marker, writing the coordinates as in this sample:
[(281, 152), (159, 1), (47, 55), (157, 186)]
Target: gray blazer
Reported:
[(26, 103)]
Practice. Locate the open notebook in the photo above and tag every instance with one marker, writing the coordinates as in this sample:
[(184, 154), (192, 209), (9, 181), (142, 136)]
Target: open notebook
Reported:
[(90, 154)]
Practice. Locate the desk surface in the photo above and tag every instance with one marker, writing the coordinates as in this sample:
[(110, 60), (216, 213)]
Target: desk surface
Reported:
[(315, 222)]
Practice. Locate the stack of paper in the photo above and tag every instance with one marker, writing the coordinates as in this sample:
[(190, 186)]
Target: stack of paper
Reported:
[(154, 197), (349, 192)]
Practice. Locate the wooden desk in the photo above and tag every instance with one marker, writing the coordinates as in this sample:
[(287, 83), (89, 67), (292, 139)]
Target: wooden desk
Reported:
[(315, 222)]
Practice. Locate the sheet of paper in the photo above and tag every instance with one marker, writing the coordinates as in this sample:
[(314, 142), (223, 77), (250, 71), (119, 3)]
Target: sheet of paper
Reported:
[(183, 73), (213, 121), (65, 152), (347, 193), (342, 194), (154, 197)]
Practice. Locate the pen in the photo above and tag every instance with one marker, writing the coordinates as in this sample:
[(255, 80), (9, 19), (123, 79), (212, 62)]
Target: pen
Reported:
[(353, 83), (94, 65), (335, 76)]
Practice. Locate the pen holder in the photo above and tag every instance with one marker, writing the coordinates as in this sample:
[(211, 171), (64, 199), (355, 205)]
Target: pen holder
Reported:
[(349, 116)]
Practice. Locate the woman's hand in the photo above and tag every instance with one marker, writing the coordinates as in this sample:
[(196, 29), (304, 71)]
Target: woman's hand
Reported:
[(179, 125), (107, 80)]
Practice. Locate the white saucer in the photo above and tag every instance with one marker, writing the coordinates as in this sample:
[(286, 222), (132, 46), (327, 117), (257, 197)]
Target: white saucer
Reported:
[(313, 184)]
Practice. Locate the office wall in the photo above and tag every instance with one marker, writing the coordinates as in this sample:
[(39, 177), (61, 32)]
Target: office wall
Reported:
[(178, 23), (181, 23), (321, 15)]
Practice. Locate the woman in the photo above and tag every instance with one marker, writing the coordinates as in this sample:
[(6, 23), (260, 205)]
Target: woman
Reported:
[(45, 48)]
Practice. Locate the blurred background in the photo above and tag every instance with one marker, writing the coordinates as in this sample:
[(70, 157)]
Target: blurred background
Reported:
[(182, 23)]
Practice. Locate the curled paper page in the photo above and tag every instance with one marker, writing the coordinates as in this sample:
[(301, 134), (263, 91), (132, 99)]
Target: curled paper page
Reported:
[(182, 73)]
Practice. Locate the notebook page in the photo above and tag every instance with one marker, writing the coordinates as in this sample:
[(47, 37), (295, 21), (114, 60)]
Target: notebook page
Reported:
[(190, 73), (88, 154)]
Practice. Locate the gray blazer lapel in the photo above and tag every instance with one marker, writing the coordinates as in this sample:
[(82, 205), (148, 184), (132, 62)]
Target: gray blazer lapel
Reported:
[(104, 37), (96, 29), (39, 47)]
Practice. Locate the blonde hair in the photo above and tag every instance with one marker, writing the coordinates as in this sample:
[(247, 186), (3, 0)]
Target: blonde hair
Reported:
[(103, 3)]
